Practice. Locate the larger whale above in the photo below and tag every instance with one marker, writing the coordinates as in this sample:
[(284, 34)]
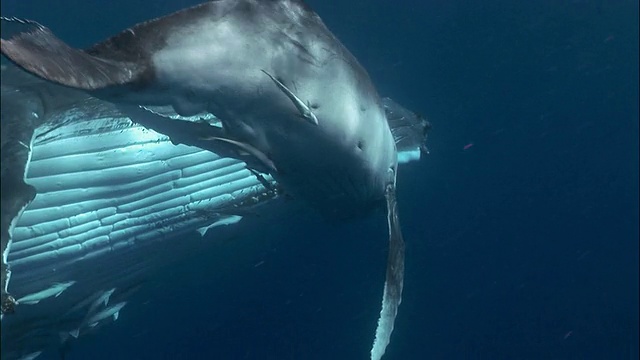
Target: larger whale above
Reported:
[(286, 90)]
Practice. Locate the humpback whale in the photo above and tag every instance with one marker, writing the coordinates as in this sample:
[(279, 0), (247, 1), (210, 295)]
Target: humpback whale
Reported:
[(68, 169), (286, 91)]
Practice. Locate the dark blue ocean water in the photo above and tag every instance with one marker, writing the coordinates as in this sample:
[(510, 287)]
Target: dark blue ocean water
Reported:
[(523, 246)]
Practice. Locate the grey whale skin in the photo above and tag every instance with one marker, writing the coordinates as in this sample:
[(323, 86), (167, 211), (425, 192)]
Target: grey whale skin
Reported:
[(284, 88)]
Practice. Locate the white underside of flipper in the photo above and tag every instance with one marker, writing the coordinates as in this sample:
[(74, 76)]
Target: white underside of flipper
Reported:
[(392, 296), (385, 325)]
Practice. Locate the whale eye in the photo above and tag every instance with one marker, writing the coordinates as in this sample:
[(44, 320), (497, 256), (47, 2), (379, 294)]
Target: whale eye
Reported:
[(314, 106), (361, 145)]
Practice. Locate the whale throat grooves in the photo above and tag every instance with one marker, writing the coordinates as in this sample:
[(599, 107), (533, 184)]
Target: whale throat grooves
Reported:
[(392, 295)]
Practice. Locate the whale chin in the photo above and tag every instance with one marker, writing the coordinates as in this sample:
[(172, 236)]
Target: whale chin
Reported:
[(337, 198)]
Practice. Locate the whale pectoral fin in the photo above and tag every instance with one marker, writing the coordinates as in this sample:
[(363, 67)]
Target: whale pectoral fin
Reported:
[(262, 157), (392, 296), (179, 131), (36, 49), (409, 130), (199, 134), (305, 109)]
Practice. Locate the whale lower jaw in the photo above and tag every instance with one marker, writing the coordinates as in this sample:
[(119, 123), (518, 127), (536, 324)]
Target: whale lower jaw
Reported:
[(336, 195)]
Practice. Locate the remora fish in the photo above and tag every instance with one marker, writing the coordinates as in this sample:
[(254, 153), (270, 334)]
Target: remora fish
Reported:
[(31, 356), (111, 311), (54, 291), (286, 90)]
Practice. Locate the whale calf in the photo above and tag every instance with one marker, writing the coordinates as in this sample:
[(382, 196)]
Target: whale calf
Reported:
[(286, 90)]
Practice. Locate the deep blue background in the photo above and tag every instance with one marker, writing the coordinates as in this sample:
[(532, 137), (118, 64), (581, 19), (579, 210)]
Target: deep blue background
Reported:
[(524, 246)]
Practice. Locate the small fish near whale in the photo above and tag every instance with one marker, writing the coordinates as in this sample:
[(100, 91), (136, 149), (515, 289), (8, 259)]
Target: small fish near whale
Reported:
[(55, 290), (286, 91)]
